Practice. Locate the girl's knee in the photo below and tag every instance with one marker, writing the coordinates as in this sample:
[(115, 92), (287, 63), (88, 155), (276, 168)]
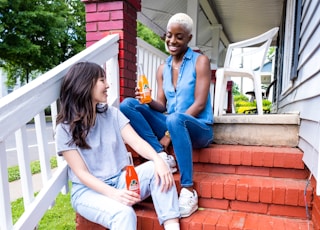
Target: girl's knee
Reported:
[(126, 217), (147, 168), (127, 212)]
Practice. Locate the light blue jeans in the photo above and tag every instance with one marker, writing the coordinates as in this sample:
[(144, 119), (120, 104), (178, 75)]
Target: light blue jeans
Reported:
[(116, 216), (186, 133)]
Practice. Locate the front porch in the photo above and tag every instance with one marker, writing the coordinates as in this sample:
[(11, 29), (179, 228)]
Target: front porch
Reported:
[(252, 177)]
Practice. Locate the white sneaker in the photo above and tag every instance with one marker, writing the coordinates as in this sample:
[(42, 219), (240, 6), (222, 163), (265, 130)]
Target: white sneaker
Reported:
[(188, 202), (170, 161)]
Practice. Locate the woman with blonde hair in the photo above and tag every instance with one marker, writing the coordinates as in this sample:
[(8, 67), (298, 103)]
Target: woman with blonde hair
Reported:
[(182, 113)]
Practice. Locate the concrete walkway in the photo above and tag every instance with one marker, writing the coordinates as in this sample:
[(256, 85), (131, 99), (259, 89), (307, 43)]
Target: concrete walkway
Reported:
[(16, 189)]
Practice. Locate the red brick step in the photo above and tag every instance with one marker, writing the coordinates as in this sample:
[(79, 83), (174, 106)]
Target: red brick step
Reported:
[(263, 156), (273, 196), (208, 219), (281, 162), (250, 170)]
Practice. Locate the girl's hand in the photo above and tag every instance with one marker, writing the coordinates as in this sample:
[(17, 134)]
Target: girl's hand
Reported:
[(163, 175), (126, 197)]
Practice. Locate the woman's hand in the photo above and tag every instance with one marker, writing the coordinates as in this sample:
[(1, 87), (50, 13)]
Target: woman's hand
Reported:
[(165, 142), (138, 93), (126, 197), (163, 175)]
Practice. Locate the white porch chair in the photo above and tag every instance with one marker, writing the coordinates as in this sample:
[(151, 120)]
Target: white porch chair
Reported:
[(259, 47)]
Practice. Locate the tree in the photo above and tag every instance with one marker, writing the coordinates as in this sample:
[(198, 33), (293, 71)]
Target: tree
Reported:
[(271, 53), (235, 89), (36, 35), (149, 36)]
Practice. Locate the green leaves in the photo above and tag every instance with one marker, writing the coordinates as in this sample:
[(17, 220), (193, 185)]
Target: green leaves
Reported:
[(38, 35), (149, 36)]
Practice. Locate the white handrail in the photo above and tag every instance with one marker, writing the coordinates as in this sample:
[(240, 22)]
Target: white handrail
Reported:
[(28, 102)]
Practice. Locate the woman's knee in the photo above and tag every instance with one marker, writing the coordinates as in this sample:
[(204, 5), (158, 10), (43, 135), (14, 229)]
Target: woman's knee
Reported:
[(127, 103), (173, 119)]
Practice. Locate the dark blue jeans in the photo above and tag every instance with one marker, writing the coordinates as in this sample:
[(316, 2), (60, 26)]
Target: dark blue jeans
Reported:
[(186, 133)]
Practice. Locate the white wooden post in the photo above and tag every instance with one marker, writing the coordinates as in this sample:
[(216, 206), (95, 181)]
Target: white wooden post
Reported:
[(193, 11), (112, 72), (215, 51), (5, 207), (24, 166), (42, 140)]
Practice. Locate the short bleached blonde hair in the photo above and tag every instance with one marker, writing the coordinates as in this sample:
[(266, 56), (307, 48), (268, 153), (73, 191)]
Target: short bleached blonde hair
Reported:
[(182, 19)]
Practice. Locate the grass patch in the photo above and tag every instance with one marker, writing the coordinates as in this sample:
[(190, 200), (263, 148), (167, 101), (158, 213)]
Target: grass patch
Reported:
[(60, 217), (17, 209), (14, 173)]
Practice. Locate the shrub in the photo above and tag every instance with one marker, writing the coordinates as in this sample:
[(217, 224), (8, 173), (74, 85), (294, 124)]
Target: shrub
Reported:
[(244, 106)]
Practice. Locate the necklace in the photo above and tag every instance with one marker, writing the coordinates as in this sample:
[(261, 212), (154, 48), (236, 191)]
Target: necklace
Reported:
[(176, 66)]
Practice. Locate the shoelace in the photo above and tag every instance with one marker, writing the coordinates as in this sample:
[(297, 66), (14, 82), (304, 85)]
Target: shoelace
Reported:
[(186, 200)]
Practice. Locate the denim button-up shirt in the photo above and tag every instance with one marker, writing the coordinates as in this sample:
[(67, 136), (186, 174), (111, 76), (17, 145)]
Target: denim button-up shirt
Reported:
[(181, 98)]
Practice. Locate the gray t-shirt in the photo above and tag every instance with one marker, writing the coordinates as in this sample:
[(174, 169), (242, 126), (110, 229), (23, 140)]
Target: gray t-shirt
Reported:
[(108, 154)]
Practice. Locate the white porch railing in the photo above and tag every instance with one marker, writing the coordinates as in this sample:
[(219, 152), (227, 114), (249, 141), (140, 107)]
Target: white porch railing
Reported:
[(150, 57), (30, 101)]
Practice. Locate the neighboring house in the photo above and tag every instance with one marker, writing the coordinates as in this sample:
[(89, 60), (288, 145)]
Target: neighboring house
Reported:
[(266, 73), (4, 90)]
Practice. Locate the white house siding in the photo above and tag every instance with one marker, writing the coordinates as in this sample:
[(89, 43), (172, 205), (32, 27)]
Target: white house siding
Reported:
[(304, 95)]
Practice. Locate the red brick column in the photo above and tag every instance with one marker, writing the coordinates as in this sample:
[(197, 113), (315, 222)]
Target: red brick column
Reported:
[(104, 17)]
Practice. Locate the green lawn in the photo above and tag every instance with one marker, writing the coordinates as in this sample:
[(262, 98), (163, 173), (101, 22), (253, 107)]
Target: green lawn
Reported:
[(60, 217)]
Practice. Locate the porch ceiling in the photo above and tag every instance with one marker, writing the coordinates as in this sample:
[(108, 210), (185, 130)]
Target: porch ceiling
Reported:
[(239, 19)]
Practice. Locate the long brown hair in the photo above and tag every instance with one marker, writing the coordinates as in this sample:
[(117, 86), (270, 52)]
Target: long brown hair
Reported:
[(76, 107)]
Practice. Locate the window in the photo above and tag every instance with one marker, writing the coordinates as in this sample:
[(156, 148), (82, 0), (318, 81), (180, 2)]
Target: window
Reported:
[(289, 44)]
